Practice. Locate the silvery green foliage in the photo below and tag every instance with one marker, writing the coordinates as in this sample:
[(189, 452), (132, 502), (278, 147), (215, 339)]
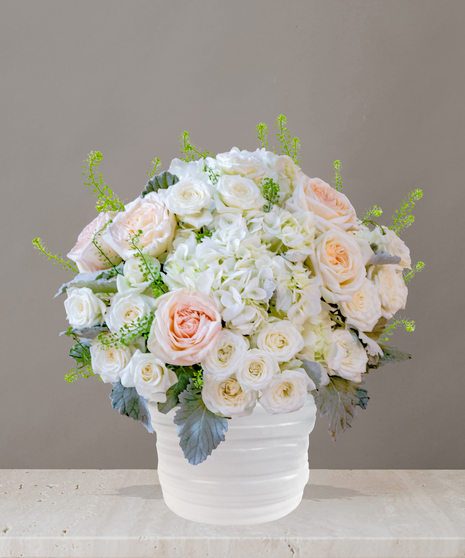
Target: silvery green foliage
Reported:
[(393, 354), (86, 332), (200, 431), (383, 258), (338, 400), (172, 395), (129, 403), (315, 372), (160, 181), (98, 281)]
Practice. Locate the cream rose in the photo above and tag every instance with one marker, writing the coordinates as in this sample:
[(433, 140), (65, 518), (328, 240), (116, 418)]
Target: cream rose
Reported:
[(235, 193), (364, 310), (281, 339), (186, 327), (87, 256), (149, 215), (227, 397), (257, 370), (109, 362), (226, 355), (340, 262), (346, 356), (190, 199), (135, 271), (244, 163), (287, 392), (149, 376), (84, 308), (332, 207), (391, 288), (126, 308)]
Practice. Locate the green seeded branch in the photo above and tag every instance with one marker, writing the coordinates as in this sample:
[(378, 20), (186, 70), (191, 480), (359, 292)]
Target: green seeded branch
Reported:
[(337, 179), (191, 152), (128, 334), (148, 269), (107, 200), (152, 170), (270, 190), (262, 134), (66, 265), (416, 269), (409, 325), (289, 146), (403, 217)]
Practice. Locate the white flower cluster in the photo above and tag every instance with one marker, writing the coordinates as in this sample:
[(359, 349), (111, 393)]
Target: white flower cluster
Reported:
[(263, 267)]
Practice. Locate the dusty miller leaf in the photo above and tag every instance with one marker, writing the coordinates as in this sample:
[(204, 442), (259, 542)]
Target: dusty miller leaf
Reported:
[(173, 393), (86, 332), (378, 330), (98, 282), (393, 354), (160, 181), (383, 258), (200, 431), (129, 403), (338, 400), (315, 372)]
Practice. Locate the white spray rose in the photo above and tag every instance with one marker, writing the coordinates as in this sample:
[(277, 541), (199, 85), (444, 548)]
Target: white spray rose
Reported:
[(287, 392), (391, 288), (83, 308), (226, 356), (256, 370), (244, 163), (235, 194), (364, 310), (227, 397), (109, 362), (190, 199), (149, 376), (281, 339), (192, 169), (346, 356), (388, 242), (126, 308)]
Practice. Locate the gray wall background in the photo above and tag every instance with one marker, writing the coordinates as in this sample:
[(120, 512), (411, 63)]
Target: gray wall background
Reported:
[(377, 84)]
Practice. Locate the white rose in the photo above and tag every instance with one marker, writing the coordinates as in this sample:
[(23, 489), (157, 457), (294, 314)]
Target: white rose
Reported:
[(339, 260), (346, 356), (227, 397), (190, 199), (235, 193), (364, 310), (109, 362), (135, 271), (287, 392), (149, 215), (281, 339), (83, 308), (244, 163), (149, 376), (191, 169), (257, 370), (391, 288), (317, 334), (126, 308), (226, 356)]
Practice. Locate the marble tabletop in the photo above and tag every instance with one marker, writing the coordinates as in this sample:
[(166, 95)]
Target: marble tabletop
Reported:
[(121, 514)]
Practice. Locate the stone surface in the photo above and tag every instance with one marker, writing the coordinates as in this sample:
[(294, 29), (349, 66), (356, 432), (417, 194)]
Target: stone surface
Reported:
[(121, 513)]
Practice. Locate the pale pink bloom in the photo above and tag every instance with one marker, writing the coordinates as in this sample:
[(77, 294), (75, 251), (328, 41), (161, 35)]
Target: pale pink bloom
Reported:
[(86, 255), (186, 327)]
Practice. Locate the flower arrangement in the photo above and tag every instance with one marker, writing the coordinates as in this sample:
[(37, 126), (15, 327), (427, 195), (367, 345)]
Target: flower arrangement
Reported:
[(235, 281)]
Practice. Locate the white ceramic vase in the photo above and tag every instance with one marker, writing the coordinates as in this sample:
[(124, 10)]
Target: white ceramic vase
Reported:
[(256, 475)]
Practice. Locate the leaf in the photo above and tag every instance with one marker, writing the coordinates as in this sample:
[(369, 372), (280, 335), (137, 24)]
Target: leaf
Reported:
[(129, 403), (315, 372), (383, 258), (98, 282), (338, 400), (85, 332), (172, 395), (393, 354), (200, 431), (160, 181), (378, 330)]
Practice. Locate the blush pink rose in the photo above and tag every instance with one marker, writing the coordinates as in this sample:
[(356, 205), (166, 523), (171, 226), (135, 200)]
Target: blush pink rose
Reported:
[(186, 327), (86, 255), (332, 207), (149, 215)]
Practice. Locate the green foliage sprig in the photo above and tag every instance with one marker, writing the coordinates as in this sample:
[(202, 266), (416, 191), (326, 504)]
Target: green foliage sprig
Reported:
[(270, 191), (152, 170), (102, 255), (191, 152), (416, 269), (337, 178), (203, 233), (376, 211), (262, 134), (80, 352), (128, 334), (198, 378), (289, 146), (107, 200), (66, 265), (403, 217), (409, 325), (212, 175), (149, 271)]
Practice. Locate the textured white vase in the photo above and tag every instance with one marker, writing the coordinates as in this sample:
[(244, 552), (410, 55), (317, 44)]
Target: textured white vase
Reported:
[(256, 475)]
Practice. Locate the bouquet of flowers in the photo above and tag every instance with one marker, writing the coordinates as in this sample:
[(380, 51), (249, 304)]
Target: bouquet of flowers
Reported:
[(235, 281)]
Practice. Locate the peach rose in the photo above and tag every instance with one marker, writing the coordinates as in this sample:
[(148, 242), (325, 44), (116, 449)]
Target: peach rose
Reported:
[(185, 328), (333, 208), (86, 255), (151, 216)]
